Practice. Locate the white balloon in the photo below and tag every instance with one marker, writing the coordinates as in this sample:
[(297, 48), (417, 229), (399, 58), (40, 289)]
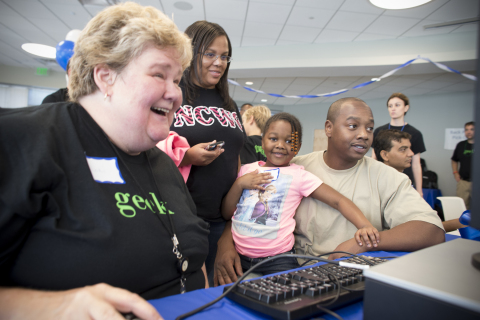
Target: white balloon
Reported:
[(73, 35)]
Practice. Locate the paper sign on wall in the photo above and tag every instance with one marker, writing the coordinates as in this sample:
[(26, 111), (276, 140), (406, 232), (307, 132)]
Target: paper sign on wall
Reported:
[(453, 136)]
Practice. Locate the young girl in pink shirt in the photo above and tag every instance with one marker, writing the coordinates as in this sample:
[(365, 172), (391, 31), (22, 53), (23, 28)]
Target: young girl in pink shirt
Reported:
[(263, 200)]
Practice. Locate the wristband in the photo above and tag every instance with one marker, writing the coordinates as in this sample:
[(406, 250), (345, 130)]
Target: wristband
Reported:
[(455, 172)]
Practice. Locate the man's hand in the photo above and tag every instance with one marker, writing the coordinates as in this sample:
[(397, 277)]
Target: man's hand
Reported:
[(350, 245), (227, 262), (457, 177), (198, 156)]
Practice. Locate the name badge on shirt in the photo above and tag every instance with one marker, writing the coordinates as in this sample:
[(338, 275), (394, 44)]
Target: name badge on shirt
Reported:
[(273, 172), (105, 170)]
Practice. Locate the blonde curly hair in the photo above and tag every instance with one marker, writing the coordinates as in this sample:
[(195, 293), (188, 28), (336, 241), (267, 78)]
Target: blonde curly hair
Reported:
[(116, 36)]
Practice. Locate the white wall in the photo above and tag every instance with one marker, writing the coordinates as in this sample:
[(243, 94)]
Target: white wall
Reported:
[(429, 114)]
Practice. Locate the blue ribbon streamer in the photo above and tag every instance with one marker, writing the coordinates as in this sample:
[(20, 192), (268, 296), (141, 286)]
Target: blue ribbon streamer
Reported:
[(334, 93)]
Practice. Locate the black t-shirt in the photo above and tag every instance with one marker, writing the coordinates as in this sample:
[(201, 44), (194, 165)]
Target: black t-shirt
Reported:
[(463, 153), (418, 146), (60, 95), (60, 229), (206, 120), (252, 150)]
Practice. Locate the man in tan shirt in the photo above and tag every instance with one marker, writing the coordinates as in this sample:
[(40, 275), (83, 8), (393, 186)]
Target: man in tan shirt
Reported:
[(384, 195)]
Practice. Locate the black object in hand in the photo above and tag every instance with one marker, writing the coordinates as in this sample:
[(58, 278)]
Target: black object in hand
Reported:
[(213, 146)]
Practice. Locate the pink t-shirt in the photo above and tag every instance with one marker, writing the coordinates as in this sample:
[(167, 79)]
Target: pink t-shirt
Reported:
[(263, 223)]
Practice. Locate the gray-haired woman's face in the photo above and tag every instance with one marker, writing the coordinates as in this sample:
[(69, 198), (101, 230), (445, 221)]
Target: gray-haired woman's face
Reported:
[(145, 97)]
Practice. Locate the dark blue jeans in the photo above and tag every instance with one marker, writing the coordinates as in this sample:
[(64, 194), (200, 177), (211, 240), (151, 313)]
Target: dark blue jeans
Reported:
[(216, 230), (277, 265)]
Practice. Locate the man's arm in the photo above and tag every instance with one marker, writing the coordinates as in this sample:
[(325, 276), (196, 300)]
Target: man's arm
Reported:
[(417, 173), (456, 175), (227, 262), (409, 236)]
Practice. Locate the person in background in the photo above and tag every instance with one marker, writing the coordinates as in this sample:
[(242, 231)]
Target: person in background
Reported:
[(244, 108), (463, 155), (90, 206), (392, 147), (385, 196), (254, 120), (61, 95), (207, 115), (398, 105)]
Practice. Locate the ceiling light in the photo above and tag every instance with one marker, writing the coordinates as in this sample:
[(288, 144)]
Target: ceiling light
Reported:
[(398, 4), (264, 100), (182, 5), (40, 50), (248, 83)]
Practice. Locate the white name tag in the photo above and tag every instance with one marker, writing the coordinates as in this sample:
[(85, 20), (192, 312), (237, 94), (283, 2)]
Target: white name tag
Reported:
[(105, 170), (273, 172)]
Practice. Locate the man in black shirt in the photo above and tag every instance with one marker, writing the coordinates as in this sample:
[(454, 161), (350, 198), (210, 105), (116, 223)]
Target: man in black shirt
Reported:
[(463, 155)]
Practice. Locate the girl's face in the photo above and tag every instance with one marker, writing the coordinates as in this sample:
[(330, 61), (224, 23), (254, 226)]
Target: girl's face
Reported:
[(397, 108), (277, 144)]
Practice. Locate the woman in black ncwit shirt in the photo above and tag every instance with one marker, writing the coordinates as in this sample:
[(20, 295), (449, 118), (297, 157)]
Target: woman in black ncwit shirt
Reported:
[(208, 114)]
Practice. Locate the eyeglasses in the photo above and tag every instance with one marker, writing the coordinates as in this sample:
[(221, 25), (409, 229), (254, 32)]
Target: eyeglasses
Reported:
[(213, 57)]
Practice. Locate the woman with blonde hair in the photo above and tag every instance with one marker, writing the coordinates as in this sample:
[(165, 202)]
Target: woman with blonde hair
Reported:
[(91, 209)]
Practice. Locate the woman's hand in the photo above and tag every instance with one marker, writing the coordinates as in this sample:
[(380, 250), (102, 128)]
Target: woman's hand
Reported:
[(254, 180), (99, 301), (198, 156), (368, 233)]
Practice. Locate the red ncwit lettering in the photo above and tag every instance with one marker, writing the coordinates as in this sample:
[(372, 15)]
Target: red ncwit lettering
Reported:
[(188, 116), (127, 210)]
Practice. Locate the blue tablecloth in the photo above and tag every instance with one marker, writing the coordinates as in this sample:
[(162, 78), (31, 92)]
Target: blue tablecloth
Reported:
[(173, 306), (430, 195)]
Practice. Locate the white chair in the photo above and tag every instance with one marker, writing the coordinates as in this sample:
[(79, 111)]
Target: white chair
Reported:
[(453, 207)]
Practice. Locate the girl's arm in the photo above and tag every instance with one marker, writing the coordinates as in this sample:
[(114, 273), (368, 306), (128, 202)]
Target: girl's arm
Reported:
[(252, 180), (349, 210)]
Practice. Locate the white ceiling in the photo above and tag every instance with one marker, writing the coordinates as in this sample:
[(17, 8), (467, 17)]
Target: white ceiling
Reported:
[(290, 47)]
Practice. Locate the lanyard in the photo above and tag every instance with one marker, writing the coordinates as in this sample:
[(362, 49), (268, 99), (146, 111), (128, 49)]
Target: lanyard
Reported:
[(402, 127), (182, 262)]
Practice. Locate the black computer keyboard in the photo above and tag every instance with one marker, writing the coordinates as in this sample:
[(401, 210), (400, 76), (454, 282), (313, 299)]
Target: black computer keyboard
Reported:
[(296, 294)]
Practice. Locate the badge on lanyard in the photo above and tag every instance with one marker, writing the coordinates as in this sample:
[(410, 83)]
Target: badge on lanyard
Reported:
[(105, 170)]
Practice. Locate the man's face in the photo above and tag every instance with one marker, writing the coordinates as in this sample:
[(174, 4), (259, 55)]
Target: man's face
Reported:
[(469, 132), (351, 135), (400, 156)]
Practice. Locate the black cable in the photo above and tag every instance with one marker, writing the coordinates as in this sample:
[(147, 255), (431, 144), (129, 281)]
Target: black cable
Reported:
[(188, 314), (328, 311), (332, 252)]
